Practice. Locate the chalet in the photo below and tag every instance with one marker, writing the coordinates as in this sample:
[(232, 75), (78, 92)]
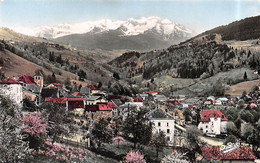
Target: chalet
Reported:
[(89, 90), (213, 122), (231, 155), (162, 122), (96, 112), (92, 100), (12, 89), (29, 84), (69, 103)]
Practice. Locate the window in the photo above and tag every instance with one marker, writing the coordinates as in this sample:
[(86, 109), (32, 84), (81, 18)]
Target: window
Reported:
[(159, 123), (168, 131), (212, 123), (206, 126), (167, 124), (168, 138)]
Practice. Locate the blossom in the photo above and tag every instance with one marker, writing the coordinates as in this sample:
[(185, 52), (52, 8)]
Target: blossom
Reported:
[(34, 125), (118, 139), (134, 157)]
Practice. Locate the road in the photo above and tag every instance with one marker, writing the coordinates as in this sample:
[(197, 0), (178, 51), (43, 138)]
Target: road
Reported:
[(208, 140)]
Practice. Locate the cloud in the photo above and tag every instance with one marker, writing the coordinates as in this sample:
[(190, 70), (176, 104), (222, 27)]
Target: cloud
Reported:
[(1, 0)]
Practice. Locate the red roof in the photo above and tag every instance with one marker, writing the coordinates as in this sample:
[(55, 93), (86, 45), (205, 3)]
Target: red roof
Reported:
[(57, 100), (57, 84), (26, 79), (207, 114), (63, 100), (241, 153), (77, 94), (98, 107), (76, 99), (152, 92), (138, 99), (174, 102), (9, 81), (92, 87)]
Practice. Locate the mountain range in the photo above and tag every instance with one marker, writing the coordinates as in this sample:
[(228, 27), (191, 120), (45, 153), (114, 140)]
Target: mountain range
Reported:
[(133, 34)]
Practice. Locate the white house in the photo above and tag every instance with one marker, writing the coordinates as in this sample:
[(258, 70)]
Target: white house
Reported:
[(213, 122), (12, 89), (162, 122)]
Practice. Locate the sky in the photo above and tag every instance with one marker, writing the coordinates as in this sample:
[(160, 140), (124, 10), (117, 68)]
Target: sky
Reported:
[(197, 15)]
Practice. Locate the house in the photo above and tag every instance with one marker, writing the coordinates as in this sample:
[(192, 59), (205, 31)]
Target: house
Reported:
[(232, 155), (12, 89), (89, 90), (29, 84), (96, 112), (92, 100), (213, 122), (69, 103), (62, 92), (162, 122), (62, 101)]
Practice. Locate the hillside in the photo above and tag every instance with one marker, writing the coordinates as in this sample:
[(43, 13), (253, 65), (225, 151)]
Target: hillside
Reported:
[(11, 35), (245, 29), (198, 62)]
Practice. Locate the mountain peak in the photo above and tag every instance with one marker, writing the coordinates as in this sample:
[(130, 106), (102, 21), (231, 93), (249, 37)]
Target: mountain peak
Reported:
[(129, 27)]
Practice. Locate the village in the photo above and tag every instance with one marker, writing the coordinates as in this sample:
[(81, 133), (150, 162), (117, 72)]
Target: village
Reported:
[(176, 129)]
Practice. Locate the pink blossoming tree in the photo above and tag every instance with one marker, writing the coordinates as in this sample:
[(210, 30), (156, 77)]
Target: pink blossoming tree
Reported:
[(118, 140), (134, 157), (36, 128)]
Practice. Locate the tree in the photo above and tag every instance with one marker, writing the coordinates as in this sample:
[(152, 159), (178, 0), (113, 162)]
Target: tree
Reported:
[(187, 115), (158, 141), (245, 76), (13, 147), (101, 132), (51, 78), (59, 60), (232, 129), (136, 127), (35, 129), (134, 157), (116, 75), (99, 85), (254, 140), (192, 141), (118, 140), (59, 119), (51, 57), (82, 74)]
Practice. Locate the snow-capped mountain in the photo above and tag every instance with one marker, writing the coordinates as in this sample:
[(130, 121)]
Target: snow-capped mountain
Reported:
[(145, 33), (130, 27)]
